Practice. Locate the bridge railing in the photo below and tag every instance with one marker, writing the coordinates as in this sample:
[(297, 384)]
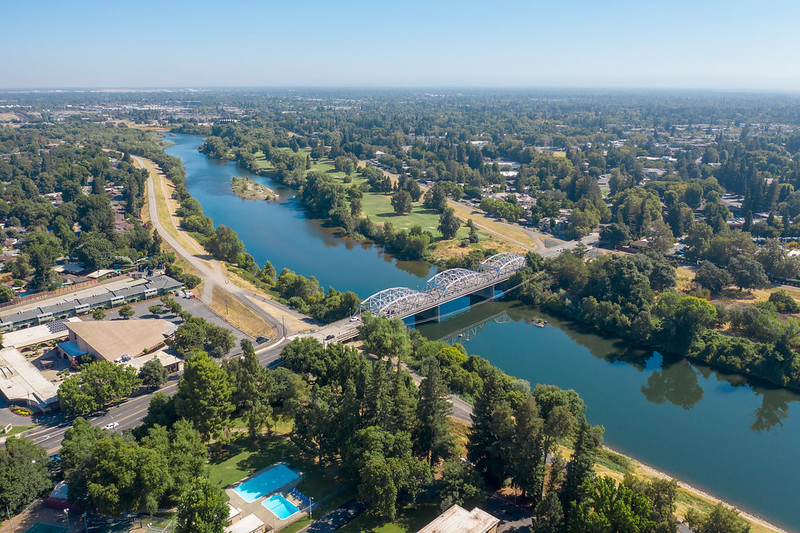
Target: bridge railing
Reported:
[(402, 301)]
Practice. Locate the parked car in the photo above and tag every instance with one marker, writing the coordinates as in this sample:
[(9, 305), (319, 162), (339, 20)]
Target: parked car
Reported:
[(262, 340), (329, 337)]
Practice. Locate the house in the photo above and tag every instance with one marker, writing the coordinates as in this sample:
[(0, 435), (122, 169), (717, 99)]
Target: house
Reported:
[(113, 340), (458, 520)]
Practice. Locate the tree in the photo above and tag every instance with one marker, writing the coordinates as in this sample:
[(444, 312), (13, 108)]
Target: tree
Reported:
[(43, 249), (225, 244), (252, 389), (126, 311), (747, 273), (401, 202), (549, 515), (202, 509), (23, 472), (579, 469), (449, 224), (153, 374), (95, 252), (377, 487), (721, 519), (461, 484), (606, 506), (528, 458), (490, 439), (156, 309), (97, 384), (431, 434), (384, 337), (204, 393), (98, 314), (712, 277)]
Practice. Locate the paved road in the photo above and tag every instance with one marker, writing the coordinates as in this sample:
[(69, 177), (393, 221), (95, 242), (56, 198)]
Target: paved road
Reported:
[(212, 275), (128, 414)]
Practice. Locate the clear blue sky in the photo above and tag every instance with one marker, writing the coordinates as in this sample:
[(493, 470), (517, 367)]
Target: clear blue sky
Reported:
[(723, 44)]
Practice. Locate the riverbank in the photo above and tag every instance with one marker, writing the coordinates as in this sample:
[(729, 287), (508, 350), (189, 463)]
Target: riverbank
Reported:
[(308, 246)]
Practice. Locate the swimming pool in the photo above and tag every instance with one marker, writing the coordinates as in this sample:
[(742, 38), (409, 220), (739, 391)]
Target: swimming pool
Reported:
[(280, 506), (265, 483)]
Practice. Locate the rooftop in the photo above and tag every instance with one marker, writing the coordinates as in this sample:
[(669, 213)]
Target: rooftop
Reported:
[(458, 520), (21, 381), (246, 525), (37, 334), (113, 338)]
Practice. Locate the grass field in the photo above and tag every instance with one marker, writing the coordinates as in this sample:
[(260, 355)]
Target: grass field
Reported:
[(377, 206), (242, 457)]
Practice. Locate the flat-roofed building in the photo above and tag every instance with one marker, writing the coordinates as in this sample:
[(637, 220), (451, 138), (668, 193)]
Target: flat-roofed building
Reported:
[(458, 520), (82, 301), (22, 383), (249, 524), (112, 339)]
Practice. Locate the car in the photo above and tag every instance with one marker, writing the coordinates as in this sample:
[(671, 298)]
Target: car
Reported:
[(329, 337), (111, 425), (354, 319), (262, 340)]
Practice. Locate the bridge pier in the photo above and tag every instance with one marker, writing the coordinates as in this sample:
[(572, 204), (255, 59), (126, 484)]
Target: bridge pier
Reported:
[(428, 316), (487, 293)]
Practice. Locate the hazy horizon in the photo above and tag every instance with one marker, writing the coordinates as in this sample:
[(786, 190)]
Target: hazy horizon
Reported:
[(616, 45)]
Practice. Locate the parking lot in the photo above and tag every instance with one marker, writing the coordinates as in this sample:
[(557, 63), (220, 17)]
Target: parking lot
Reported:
[(190, 305)]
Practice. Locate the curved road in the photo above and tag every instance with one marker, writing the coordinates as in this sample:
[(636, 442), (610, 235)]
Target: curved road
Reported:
[(213, 276)]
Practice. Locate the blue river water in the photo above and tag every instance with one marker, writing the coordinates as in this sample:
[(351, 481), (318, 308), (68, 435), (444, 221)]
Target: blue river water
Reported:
[(720, 433)]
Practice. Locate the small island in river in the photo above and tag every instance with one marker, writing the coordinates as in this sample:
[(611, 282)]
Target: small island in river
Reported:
[(248, 189)]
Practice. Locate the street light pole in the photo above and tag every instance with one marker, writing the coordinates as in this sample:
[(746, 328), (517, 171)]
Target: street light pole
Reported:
[(66, 512), (85, 523)]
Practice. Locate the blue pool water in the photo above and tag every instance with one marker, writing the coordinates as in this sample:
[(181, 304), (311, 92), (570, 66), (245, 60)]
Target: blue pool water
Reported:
[(265, 483), (280, 506)]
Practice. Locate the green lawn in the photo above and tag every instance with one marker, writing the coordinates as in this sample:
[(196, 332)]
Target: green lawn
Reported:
[(409, 518), (16, 430), (242, 457), (377, 206)]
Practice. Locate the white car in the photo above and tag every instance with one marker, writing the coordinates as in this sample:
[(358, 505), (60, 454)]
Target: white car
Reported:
[(354, 319), (111, 425)]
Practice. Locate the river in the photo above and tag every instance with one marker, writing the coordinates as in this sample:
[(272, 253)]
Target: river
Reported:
[(720, 433)]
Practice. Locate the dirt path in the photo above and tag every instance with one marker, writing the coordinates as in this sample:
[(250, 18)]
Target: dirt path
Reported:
[(209, 270)]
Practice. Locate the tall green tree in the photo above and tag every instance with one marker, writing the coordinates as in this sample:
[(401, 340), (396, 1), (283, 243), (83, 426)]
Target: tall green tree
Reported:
[(204, 395), (401, 202), (528, 448), (607, 506), (491, 437), (449, 224), (461, 484), (252, 389), (579, 468), (384, 337), (202, 509), (432, 437), (23, 472), (153, 374)]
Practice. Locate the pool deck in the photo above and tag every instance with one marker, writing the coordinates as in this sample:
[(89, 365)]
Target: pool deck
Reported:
[(256, 507)]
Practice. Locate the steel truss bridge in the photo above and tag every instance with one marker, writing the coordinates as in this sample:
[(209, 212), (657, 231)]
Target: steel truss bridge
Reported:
[(447, 285)]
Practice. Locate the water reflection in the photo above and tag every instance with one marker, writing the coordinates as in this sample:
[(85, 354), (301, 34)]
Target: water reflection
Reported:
[(675, 383), (773, 410), (670, 380)]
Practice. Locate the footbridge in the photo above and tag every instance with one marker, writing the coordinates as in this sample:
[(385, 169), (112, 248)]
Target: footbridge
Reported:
[(447, 285)]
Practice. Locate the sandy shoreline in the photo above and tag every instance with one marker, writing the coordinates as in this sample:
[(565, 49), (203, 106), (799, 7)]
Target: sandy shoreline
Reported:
[(650, 471)]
